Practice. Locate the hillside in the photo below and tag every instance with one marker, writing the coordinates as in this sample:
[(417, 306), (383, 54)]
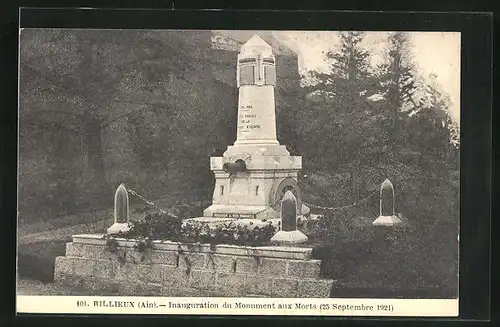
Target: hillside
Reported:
[(153, 116)]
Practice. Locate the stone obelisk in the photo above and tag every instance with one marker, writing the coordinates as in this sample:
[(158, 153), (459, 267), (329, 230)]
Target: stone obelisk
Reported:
[(253, 175), (256, 79)]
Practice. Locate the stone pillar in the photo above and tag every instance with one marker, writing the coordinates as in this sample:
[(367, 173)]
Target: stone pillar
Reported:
[(387, 215), (121, 212), (289, 233), (256, 78)]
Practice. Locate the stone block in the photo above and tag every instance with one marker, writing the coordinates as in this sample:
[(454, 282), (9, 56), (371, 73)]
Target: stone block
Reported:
[(203, 279), (289, 237), (189, 292), (134, 256), (248, 265), (259, 285), (221, 263), (156, 273), (314, 288), (169, 291), (81, 282), (173, 277), (61, 278), (285, 287), (92, 286), (90, 251), (231, 284), (103, 269), (232, 249), (74, 250), (93, 239), (99, 286), (192, 261), (74, 266), (162, 257), (273, 267), (124, 271), (304, 268), (166, 246), (137, 289), (70, 249), (137, 272), (284, 252), (63, 266)]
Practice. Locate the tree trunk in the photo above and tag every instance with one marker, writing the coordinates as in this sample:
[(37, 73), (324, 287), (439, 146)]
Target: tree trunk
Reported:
[(97, 186)]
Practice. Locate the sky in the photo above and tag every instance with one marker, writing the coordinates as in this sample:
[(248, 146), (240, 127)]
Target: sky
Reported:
[(433, 52)]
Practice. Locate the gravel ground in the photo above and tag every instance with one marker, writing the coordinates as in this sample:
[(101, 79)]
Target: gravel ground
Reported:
[(34, 287)]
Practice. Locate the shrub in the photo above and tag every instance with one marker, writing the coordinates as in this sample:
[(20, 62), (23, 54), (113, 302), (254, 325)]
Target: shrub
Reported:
[(411, 258), (168, 226)]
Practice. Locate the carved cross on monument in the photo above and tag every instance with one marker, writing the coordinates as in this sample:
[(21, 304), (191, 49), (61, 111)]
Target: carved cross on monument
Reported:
[(260, 73)]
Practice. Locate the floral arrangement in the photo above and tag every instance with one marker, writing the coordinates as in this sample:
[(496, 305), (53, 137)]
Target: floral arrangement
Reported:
[(168, 226)]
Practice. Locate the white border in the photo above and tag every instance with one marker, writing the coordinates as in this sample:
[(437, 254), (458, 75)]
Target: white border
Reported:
[(247, 306)]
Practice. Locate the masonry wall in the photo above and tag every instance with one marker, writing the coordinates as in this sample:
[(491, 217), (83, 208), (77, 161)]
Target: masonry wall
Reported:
[(173, 269)]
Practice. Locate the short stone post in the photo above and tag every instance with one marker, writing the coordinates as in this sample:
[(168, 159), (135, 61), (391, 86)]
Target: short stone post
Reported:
[(121, 212), (289, 233), (387, 216)]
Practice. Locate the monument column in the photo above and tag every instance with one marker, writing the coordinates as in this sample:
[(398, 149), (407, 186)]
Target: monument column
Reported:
[(256, 79), (253, 174)]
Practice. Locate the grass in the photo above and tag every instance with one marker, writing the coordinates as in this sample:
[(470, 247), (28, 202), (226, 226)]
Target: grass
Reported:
[(27, 286), (26, 226), (36, 260), (361, 268), (87, 218)]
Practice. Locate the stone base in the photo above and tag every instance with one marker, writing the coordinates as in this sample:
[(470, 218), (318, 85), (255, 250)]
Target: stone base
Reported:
[(292, 237), (118, 228), (387, 221), (239, 211), (250, 223), (176, 269)]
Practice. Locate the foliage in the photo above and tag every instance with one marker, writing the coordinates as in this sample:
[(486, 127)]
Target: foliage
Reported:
[(114, 247), (158, 226), (410, 257), (388, 121)]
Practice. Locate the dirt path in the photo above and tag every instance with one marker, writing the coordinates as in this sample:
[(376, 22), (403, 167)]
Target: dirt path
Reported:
[(60, 234), (34, 287)]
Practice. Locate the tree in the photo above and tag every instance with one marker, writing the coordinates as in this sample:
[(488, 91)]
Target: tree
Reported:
[(342, 119), (348, 76), (78, 76), (396, 76)]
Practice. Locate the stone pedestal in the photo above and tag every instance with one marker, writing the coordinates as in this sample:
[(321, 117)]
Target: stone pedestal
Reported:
[(174, 269), (121, 213), (118, 228), (263, 169), (387, 221), (257, 192), (291, 237)]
